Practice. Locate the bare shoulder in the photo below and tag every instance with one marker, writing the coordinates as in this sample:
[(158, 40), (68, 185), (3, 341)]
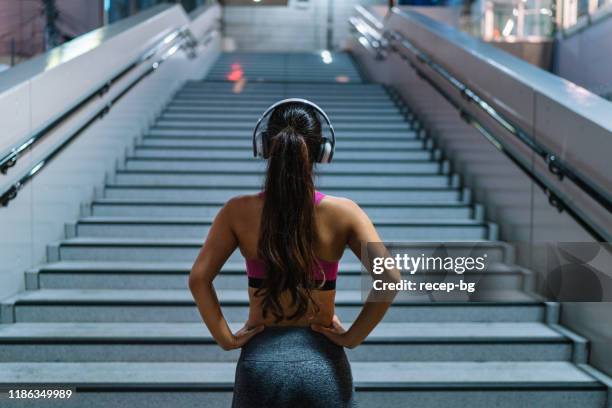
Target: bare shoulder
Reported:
[(243, 200), (241, 205), (339, 202), (350, 218), (341, 208)]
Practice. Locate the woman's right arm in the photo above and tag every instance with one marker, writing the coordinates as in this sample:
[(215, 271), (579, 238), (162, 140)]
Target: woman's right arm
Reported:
[(220, 243), (362, 232)]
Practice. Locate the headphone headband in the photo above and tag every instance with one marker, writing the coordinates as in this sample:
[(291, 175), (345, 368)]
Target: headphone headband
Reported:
[(313, 105)]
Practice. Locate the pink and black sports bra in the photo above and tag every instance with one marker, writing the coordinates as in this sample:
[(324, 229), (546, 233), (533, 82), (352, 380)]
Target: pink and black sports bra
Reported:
[(325, 275)]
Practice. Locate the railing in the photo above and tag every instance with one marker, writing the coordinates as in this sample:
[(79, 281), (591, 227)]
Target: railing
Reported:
[(368, 36), (397, 43), (10, 159), (180, 38)]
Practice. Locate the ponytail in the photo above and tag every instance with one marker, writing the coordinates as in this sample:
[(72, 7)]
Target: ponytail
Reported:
[(287, 229)]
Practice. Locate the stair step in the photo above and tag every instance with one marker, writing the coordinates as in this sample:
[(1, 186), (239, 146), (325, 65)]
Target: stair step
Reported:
[(264, 75), (362, 196), (226, 296), (278, 88), (266, 100), (389, 333), (244, 126), (423, 166), (269, 90), (275, 71), (373, 94), (186, 250), (168, 208), (282, 85), (135, 275), (247, 179), (258, 110), (195, 152), (215, 138), (264, 103), (212, 88), (426, 384), (246, 145), (168, 305), (465, 341), (204, 132), (128, 227), (177, 116)]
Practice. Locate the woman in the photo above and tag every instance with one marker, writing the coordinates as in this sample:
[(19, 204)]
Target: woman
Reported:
[(292, 238)]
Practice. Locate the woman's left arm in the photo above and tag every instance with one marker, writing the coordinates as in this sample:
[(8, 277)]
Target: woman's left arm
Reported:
[(220, 243)]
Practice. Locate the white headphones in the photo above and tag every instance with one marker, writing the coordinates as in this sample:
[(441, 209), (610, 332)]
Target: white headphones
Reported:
[(327, 146)]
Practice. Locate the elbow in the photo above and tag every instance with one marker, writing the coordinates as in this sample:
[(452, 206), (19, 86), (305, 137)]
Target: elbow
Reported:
[(195, 281)]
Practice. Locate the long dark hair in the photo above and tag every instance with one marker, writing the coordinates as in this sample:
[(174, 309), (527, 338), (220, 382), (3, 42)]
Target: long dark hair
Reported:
[(287, 230)]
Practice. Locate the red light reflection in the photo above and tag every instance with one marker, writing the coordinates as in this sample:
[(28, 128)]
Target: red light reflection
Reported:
[(236, 73)]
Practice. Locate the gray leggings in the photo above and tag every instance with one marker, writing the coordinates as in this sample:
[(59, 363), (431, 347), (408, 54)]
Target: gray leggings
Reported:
[(292, 367)]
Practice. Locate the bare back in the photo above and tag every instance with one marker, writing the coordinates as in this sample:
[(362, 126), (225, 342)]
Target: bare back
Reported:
[(333, 225)]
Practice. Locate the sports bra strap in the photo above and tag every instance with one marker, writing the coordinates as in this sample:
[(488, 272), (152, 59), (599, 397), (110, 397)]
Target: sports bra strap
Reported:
[(318, 197)]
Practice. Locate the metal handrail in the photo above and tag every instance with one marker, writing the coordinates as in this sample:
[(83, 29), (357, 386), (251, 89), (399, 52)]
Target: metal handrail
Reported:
[(179, 38), (555, 165), (10, 159), (373, 40), (369, 16)]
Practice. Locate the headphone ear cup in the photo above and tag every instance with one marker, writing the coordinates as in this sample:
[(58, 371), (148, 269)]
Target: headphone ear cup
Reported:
[(258, 145), (265, 145), (331, 152), (326, 152)]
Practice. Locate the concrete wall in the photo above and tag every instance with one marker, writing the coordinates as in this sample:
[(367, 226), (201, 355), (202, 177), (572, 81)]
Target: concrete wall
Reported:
[(511, 200), (37, 216), (538, 53), (300, 26), (585, 57)]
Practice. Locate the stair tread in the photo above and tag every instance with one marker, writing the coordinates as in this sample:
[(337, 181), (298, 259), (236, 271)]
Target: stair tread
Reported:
[(128, 266), (185, 267), (169, 267), (378, 374), (183, 296), (247, 187), (134, 201), (390, 332), (184, 241), (209, 220), (144, 201), (328, 174)]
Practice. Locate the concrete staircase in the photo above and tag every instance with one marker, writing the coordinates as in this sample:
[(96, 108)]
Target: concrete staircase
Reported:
[(110, 313)]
